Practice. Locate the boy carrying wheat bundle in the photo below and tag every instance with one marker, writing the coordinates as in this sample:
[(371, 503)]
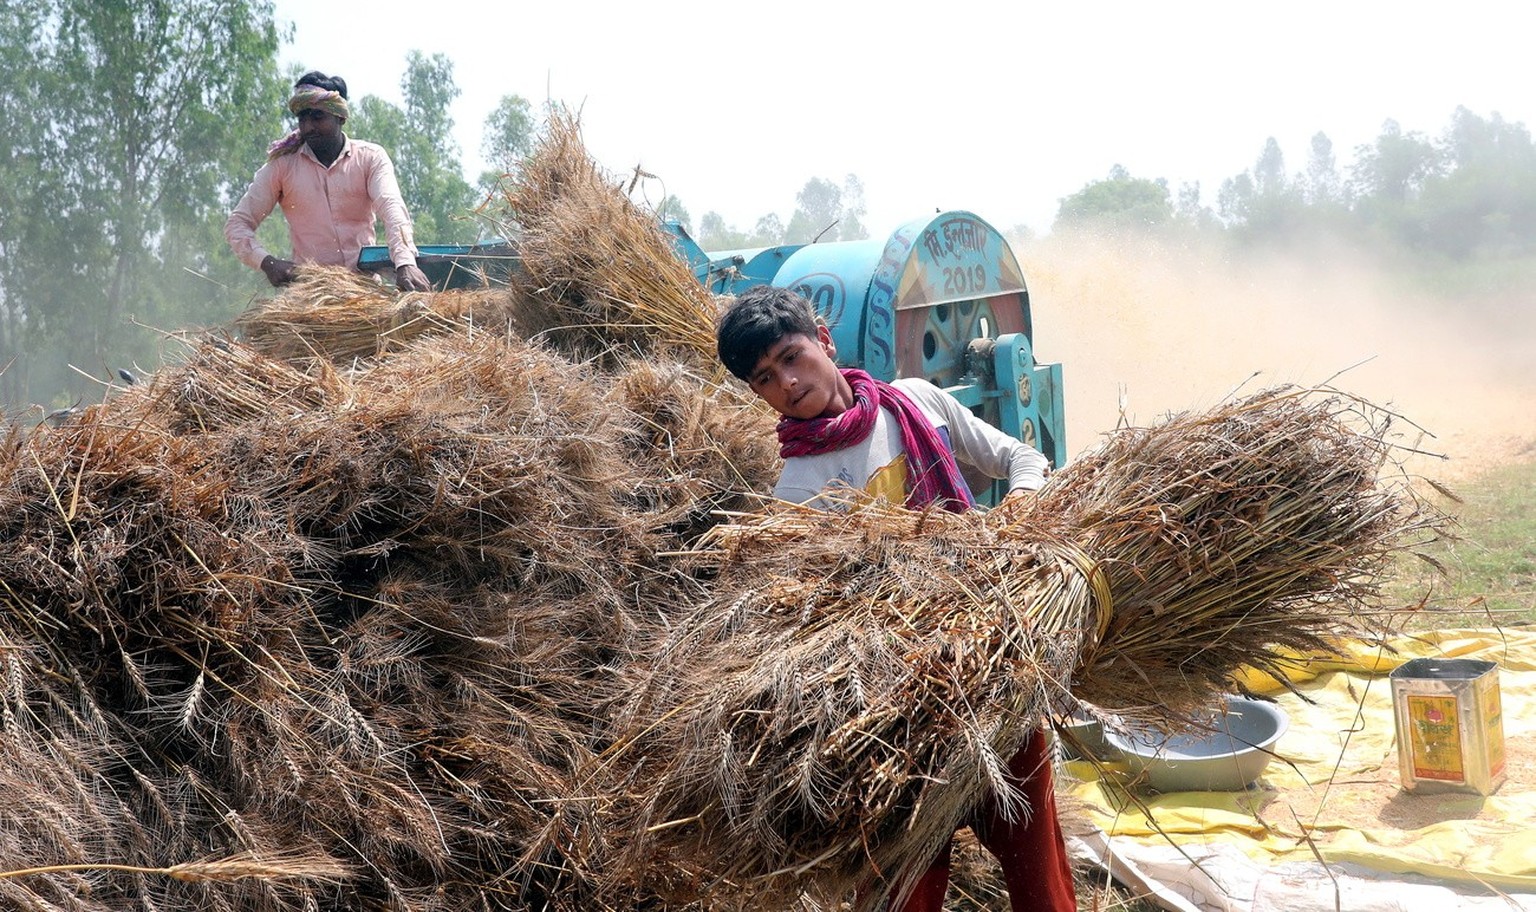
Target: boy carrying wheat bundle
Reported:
[(841, 428)]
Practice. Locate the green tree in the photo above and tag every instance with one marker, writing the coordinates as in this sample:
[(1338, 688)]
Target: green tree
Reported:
[(509, 131), (1277, 205), (1234, 201), (1395, 168), (715, 234), (1120, 202), (1188, 209), (1269, 171), (1386, 180), (1321, 184), (507, 138), (419, 139), (852, 226), (129, 126), (818, 210), (1485, 198), (768, 232), (1263, 203)]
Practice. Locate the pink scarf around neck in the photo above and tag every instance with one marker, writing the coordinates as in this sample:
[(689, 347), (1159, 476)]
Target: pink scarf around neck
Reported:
[(933, 476)]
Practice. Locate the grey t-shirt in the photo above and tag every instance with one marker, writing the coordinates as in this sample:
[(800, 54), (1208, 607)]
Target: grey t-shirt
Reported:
[(877, 465)]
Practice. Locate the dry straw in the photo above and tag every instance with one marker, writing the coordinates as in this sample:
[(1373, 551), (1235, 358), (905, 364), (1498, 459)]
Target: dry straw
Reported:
[(479, 623), (855, 683), (340, 315), (596, 273), (374, 610), (213, 870), (368, 597)]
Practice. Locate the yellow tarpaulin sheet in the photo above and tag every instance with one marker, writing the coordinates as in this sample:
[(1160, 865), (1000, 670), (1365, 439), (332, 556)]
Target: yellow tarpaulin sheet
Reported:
[(1334, 793)]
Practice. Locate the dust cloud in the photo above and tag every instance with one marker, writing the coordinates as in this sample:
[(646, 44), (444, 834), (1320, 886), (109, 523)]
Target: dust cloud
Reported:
[(1143, 328)]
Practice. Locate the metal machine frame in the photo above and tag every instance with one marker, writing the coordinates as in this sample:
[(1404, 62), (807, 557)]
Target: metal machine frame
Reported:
[(449, 265), (941, 297)]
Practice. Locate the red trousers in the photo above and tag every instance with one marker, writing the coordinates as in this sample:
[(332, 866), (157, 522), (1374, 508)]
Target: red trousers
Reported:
[(1033, 855)]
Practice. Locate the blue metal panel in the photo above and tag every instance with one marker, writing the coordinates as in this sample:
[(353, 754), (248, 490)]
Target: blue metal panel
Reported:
[(956, 256), (911, 304), (688, 250), (880, 303), (748, 267), (728, 271), (835, 278), (451, 265), (1029, 397)]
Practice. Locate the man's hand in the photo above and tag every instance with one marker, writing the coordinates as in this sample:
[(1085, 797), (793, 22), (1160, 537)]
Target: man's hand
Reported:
[(278, 272), (410, 278)]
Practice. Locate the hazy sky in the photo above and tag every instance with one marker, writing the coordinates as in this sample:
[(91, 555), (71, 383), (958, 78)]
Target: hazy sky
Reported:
[(1001, 108)]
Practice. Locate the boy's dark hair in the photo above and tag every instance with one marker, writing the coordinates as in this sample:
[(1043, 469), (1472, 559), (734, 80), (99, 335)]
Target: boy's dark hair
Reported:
[(320, 80), (758, 318)]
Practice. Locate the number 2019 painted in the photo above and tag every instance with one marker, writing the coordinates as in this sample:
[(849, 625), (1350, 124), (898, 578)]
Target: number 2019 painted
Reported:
[(961, 280)]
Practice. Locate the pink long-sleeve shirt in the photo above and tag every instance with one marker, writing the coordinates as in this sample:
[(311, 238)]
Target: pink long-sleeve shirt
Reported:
[(330, 211)]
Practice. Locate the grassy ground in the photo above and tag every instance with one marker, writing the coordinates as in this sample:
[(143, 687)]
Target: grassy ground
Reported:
[(1490, 573)]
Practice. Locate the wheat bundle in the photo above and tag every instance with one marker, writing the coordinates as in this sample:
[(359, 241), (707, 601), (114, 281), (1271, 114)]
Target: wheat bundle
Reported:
[(433, 621), (596, 272), (1230, 536), (845, 670), (855, 683), (708, 449), (340, 315), (374, 627)]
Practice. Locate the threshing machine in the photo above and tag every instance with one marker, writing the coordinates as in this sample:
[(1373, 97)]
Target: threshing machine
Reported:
[(942, 297)]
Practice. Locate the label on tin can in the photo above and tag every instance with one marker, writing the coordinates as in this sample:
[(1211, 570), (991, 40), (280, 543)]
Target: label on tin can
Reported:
[(1493, 714), (1436, 733)]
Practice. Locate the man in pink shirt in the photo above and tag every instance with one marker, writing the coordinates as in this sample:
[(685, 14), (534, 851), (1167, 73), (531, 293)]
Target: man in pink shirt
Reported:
[(332, 189)]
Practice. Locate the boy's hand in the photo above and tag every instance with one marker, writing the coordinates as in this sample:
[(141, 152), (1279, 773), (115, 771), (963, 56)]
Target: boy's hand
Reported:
[(1018, 500)]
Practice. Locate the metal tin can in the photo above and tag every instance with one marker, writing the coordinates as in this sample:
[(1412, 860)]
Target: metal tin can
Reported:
[(1450, 725)]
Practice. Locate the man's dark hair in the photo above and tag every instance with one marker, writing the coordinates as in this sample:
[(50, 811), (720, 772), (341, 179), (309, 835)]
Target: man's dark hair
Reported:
[(758, 318), (320, 80)]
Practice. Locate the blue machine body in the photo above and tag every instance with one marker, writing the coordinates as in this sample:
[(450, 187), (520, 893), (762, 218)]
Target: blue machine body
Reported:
[(449, 265), (942, 297)]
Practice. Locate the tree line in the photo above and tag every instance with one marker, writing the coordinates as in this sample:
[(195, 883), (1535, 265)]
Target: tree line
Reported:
[(129, 129), (1466, 195)]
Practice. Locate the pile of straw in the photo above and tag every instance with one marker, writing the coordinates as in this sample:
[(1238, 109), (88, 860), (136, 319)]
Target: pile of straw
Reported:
[(339, 315), (597, 275), (364, 616), (335, 628), (855, 683), (422, 616)]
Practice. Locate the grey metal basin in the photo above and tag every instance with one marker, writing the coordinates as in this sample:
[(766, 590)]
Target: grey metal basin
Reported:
[(1084, 738), (1228, 758)]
